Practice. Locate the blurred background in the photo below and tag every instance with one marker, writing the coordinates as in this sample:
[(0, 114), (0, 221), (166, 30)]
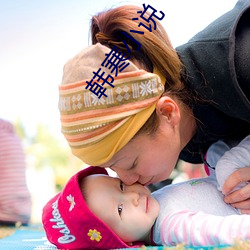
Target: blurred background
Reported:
[(36, 39)]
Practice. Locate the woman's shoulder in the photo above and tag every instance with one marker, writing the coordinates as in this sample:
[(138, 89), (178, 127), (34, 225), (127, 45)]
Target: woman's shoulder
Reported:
[(209, 65)]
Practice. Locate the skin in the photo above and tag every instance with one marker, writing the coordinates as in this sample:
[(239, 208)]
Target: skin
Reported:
[(156, 153), (130, 211), (240, 198), (131, 162), (159, 153)]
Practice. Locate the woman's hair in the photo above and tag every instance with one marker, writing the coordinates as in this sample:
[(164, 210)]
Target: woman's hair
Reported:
[(156, 50)]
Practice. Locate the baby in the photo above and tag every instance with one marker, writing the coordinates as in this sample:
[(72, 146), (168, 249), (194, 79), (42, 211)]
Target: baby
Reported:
[(96, 211)]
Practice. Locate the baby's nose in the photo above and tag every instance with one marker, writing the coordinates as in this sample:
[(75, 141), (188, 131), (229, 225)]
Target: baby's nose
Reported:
[(133, 198)]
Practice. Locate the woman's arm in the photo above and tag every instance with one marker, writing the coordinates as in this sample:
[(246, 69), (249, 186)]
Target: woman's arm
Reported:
[(237, 157), (233, 175), (240, 198), (232, 166)]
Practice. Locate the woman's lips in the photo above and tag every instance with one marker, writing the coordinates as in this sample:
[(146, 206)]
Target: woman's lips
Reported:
[(148, 183)]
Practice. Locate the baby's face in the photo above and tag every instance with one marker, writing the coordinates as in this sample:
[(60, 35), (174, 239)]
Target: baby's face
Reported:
[(130, 211)]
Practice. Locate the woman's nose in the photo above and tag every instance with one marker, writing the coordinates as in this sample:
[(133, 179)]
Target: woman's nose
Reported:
[(126, 177)]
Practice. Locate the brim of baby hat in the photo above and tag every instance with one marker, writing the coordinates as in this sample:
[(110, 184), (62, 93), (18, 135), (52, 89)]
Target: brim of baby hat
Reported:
[(69, 224)]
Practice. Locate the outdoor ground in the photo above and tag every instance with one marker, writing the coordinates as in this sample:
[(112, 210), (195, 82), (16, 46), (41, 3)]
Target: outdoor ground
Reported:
[(32, 237)]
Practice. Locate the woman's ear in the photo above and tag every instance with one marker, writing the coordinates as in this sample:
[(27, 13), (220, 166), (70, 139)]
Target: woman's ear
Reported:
[(168, 109)]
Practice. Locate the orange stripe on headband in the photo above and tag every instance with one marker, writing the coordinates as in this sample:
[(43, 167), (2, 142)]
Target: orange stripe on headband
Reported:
[(96, 128)]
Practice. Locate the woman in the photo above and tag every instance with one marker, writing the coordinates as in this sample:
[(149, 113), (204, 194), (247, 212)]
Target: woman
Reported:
[(142, 123)]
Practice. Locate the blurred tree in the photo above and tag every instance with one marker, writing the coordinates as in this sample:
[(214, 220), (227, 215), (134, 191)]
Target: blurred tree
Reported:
[(45, 150), (20, 130)]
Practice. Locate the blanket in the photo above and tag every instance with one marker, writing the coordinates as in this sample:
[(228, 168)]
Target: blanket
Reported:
[(33, 238)]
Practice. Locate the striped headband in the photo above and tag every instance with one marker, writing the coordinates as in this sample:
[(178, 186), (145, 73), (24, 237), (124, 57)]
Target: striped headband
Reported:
[(97, 128)]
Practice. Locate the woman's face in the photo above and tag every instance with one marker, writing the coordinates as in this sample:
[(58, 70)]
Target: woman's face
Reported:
[(148, 159)]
